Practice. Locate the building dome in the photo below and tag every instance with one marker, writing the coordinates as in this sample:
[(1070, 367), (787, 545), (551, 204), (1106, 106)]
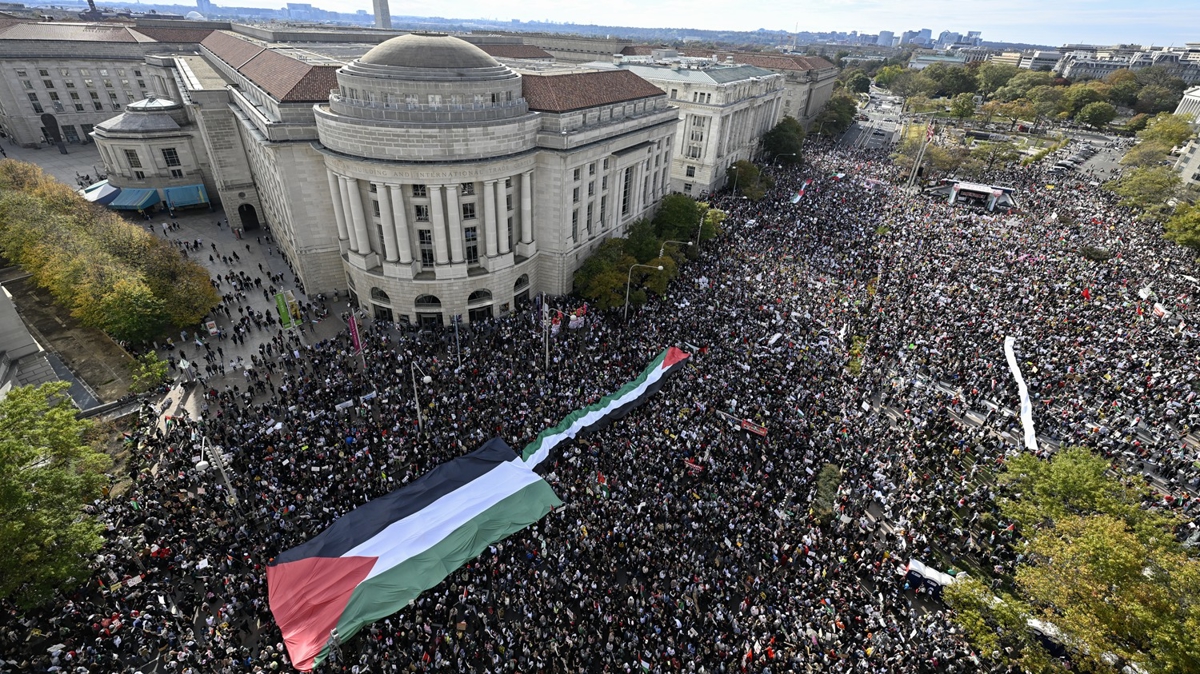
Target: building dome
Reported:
[(153, 104), (428, 51), (194, 16)]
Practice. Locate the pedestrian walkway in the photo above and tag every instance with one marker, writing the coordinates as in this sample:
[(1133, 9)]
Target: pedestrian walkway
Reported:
[(80, 160)]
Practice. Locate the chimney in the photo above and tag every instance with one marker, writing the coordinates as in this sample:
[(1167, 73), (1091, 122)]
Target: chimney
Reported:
[(618, 59)]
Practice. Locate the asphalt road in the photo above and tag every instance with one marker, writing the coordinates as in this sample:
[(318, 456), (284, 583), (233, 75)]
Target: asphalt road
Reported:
[(880, 129)]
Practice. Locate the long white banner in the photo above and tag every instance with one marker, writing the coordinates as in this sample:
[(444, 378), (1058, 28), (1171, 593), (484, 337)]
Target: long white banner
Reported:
[(1026, 406)]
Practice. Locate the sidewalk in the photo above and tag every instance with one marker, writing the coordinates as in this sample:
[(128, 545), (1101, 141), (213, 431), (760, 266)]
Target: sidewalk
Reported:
[(79, 160)]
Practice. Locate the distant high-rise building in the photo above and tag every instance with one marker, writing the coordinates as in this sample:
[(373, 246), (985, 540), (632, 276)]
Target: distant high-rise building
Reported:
[(924, 36), (383, 14), (885, 38), (908, 37), (203, 6), (973, 37)]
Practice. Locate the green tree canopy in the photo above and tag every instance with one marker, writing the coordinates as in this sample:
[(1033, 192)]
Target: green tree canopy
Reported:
[(1147, 189), (1155, 98), (1167, 129), (1019, 85), (1183, 227), (1107, 573), (1096, 115), (858, 82), (992, 75), (48, 473), (1079, 95), (678, 218), (747, 180), (886, 75), (836, 116), (784, 142), (963, 106)]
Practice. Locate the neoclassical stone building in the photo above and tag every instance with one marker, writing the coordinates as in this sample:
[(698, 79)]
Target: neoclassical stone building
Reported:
[(420, 173)]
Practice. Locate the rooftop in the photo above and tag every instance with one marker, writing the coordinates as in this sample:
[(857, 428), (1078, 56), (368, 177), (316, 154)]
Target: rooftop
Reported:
[(578, 90)]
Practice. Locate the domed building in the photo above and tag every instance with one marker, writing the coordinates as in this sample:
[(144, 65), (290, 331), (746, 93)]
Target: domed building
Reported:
[(421, 174)]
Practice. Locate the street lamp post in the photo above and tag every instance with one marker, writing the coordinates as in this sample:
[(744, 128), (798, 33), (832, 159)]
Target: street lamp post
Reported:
[(425, 379), (629, 279), (664, 245), (215, 455)]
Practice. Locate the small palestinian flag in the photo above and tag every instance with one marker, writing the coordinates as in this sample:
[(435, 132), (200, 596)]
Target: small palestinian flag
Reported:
[(377, 558), (612, 407), (603, 482)]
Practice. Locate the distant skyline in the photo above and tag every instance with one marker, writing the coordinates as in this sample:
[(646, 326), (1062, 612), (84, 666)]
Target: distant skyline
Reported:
[(1052, 22)]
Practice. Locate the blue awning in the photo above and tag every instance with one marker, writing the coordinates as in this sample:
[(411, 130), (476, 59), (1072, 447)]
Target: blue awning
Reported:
[(188, 195), (132, 199)]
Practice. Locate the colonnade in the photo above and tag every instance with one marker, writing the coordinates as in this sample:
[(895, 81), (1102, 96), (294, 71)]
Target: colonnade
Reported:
[(398, 217)]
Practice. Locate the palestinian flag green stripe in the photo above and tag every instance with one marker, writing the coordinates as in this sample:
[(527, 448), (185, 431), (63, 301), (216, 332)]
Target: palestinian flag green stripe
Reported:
[(615, 405), (382, 595)]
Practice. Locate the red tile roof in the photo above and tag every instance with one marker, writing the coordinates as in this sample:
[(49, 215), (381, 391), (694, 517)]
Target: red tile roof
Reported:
[(575, 91), (71, 32), (515, 51), (176, 35), (289, 80), (232, 50)]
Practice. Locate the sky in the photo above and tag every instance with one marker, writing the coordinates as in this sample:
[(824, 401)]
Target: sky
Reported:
[(1052, 22)]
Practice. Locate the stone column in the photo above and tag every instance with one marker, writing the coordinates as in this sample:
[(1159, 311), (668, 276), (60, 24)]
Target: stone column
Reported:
[(502, 218), (386, 218), (339, 213), (454, 219), (351, 230), (437, 222), (400, 217), (359, 217), (489, 216), (527, 207)]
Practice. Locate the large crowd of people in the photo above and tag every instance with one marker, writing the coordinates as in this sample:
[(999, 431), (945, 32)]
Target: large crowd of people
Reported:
[(862, 326)]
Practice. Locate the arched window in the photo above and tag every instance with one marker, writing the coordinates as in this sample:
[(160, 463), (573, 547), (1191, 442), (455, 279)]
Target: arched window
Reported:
[(428, 302), (521, 283), (480, 297), (379, 296)]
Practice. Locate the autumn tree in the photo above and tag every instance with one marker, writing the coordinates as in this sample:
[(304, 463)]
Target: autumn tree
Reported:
[(1147, 189), (1096, 115), (1183, 227), (748, 180), (48, 475)]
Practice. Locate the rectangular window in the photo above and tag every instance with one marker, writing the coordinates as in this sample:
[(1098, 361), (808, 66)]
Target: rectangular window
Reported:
[(21, 72), (372, 188), (69, 84), (690, 172), (98, 105), (625, 190), (176, 173), (422, 212), (137, 73), (468, 211), (32, 98), (425, 241), (419, 191), (139, 175), (687, 188), (592, 169), (375, 207), (592, 188), (171, 156), (141, 84), (27, 83), (131, 156), (508, 202), (79, 107), (43, 72), (64, 72), (103, 72), (510, 233), (85, 72), (120, 72), (108, 84), (125, 83), (95, 96), (674, 94), (575, 225), (588, 223), (507, 183), (467, 189), (90, 84), (112, 96), (471, 239), (48, 84), (603, 183), (576, 174), (575, 195), (603, 212), (605, 164)]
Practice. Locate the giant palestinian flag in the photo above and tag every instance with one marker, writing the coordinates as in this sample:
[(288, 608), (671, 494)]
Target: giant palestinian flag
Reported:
[(377, 558), (610, 408)]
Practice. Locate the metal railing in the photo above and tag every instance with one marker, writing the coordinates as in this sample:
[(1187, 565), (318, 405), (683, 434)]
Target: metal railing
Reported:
[(336, 97)]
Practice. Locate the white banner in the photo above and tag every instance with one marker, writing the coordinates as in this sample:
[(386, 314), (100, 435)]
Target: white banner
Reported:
[(1026, 406)]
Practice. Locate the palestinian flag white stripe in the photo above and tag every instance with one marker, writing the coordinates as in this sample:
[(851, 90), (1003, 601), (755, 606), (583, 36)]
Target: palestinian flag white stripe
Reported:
[(610, 407), (422, 530)]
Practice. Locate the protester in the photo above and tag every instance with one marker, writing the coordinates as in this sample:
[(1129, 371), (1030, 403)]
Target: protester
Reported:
[(685, 544)]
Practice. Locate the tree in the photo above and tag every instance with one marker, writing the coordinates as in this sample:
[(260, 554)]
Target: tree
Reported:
[(1167, 130), (678, 217), (1020, 84), (1110, 576), (836, 116), (48, 474), (641, 242), (747, 180), (1147, 189), (963, 106), (992, 75), (912, 82), (784, 142), (148, 371), (1184, 227), (1079, 95), (1155, 98), (1018, 110), (858, 82), (1096, 115), (886, 75), (1137, 122)]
